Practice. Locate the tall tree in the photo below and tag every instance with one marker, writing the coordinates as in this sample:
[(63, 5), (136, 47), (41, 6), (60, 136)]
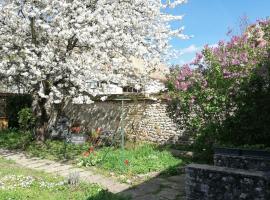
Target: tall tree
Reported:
[(52, 47)]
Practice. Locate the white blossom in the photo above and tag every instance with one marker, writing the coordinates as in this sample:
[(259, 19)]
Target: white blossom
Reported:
[(103, 98), (53, 47)]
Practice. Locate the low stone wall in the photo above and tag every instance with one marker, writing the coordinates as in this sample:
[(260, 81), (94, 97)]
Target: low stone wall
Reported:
[(144, 120), (242, 162), (204, 182)]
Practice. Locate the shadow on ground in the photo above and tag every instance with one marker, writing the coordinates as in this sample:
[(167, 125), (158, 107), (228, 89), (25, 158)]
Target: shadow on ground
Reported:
[(161, 187)]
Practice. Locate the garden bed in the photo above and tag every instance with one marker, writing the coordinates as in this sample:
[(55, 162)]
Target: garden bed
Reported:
[(134, 164)]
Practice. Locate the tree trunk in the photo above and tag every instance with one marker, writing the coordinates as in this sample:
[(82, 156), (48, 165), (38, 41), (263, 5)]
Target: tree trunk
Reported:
[(42, 107)]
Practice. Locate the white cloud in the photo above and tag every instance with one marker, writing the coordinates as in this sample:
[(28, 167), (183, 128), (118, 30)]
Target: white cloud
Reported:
[(188, 54), (190, 50)]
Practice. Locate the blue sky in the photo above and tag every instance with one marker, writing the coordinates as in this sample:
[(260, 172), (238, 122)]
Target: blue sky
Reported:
[(210, 20)]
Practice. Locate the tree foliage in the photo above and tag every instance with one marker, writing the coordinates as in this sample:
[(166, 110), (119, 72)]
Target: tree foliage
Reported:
[(52, 48), (224, 98)]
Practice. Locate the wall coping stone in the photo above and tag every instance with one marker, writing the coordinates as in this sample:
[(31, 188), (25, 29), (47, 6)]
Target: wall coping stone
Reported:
[(242, 152), (261, 174), (243, 157)]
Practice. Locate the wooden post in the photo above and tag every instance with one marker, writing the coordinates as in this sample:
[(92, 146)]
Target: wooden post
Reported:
[(122, 127)]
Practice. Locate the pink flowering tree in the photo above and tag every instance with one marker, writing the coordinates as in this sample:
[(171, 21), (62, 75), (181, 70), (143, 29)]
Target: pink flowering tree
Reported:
[(204, 92)]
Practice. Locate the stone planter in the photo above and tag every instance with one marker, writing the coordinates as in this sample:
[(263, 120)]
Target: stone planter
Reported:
[(78, 138)]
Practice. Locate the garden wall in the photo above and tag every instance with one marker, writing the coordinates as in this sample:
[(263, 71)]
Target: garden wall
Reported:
[(144, 120), (207, 182), (253, 163)]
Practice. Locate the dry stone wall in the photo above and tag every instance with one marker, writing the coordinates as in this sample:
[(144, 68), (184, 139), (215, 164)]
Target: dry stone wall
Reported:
[(207, 182), (237, 174), (143, 120), (243, 162)]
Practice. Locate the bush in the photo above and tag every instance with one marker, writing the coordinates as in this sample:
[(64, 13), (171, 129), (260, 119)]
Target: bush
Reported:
[(26, 119), (224, 97), (250, 123), (14, 104)]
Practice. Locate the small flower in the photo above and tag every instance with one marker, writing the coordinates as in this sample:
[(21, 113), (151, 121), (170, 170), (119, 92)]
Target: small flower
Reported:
[(76, 129), (221, 43), (197, 59), (86, 154), (261, 43), (91, 149), (229, 32), (126, 162)]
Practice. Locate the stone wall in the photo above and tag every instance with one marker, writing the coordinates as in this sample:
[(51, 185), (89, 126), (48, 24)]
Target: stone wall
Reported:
[(206, 182), (243, 162), (144, 120)]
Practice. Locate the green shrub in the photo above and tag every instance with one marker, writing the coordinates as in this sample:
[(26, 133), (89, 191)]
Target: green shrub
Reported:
[(224, 97), (26, 119), (14, 104), (250, 124), (14, 139)]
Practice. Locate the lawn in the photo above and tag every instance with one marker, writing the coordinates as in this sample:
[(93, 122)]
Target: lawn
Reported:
[(136, 159), (17, 183), (140, 159)]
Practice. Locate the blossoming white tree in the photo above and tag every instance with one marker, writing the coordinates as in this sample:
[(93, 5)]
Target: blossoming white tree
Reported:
[(51, 47)]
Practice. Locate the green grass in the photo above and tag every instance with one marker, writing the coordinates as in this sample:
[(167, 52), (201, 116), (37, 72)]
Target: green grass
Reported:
[(17, 183), (141, 158), (51, 149), (12, 139)]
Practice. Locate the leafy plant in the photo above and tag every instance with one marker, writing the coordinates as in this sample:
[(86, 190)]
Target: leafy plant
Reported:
[(14, 104), (90, 158), (140, 159), (26, 119), (224, 96)]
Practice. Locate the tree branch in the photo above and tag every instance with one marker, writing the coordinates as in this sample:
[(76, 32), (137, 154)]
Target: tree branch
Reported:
[(33, 31)]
